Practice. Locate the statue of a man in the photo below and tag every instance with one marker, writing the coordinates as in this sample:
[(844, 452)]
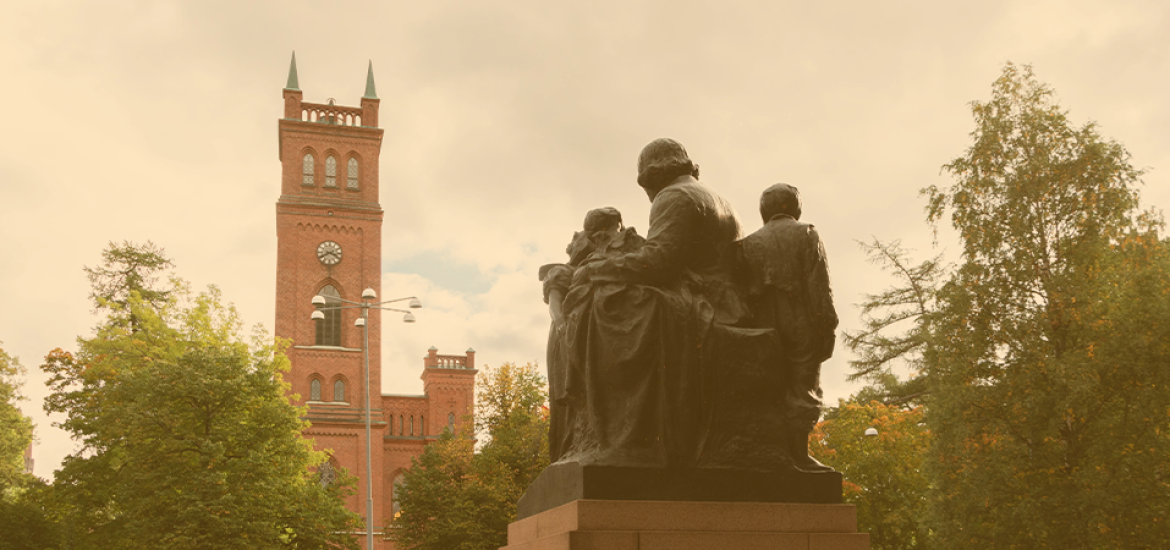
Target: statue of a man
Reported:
[(788, 285)]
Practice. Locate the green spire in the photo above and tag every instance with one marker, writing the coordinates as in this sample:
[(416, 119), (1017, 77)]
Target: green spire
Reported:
[(292, 74), (371, 93)]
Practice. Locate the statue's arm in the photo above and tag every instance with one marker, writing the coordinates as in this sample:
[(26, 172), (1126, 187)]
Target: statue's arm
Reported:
[(822, 313), (556, 279), (674, 216)]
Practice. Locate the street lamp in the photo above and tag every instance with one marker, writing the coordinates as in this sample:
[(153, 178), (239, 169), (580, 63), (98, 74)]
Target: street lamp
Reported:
[(367, 303)]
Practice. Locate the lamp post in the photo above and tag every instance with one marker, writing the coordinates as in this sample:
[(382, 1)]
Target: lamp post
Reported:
[(367, 303)]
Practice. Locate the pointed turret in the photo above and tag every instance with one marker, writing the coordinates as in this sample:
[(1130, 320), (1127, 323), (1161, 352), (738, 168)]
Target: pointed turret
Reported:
[(371, 93), (370, 101), (292, 74), (292, 92)]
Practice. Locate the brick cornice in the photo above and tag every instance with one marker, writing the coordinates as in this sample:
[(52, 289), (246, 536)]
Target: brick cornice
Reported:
[(310, 433), (312, 205), (361, 134)]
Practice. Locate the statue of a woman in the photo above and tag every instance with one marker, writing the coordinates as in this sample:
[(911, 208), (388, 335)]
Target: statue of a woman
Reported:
[(635, 347)]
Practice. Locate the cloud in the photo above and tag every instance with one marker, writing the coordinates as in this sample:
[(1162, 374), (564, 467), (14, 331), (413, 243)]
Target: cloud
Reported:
[(504, 123)]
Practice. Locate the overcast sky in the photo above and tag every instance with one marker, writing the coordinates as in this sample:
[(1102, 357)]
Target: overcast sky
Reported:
[(505, 121)]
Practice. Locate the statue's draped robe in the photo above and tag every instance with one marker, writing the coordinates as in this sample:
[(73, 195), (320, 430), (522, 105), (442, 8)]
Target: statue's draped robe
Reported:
[(557, 279), (637, 350)]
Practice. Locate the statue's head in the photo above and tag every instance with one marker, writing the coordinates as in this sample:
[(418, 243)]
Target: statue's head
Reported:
[(603, 219), (780, 199), (662, 161)]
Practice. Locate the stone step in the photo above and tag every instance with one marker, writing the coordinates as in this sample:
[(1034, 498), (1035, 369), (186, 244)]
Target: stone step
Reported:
[(690, 540)]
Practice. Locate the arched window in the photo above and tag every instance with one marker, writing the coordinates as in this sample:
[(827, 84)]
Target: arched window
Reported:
[(399, 484), (329, 328), (401, 425), (422, 425), (315, 390), (326, 473), (330, 171), (307, 169), (412, 424), (339, 390), (390, 424), (451, 422), (352, 174)]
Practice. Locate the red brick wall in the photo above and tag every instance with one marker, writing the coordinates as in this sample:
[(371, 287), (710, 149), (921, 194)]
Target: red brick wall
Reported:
[(445, 390)]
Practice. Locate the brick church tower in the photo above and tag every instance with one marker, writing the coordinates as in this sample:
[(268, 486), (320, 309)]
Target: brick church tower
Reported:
[(328, 232)]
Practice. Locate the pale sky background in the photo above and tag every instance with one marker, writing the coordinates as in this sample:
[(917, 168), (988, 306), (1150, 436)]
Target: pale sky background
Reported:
[(505, 121)]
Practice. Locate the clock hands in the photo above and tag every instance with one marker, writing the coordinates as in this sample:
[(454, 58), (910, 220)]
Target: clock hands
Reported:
[(329, 252)]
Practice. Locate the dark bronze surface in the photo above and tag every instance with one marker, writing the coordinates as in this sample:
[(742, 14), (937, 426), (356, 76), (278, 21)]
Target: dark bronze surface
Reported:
[(686, 365)]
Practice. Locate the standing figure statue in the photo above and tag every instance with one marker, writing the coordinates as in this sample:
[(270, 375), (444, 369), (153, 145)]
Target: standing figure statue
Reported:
[(602, 236), (788, 284)]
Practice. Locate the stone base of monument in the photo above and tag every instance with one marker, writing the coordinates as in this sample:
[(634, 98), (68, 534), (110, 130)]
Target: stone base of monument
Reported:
[(562, 483), (661, 525)]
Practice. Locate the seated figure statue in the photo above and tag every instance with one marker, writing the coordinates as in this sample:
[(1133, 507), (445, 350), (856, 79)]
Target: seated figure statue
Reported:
[(666, 383), (636, 324)]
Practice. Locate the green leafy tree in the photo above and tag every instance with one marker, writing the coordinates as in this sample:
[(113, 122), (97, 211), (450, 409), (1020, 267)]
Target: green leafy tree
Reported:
[(1048, 349), (455, 498), (23, 522), (187, 437), (15, 427), (884, 475)]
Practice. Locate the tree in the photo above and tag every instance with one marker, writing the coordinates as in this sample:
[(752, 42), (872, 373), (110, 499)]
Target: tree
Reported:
[(24, 521), (128, 269), (23, 524), (187, 437), (15, 427), (456, 499), (1048, 347), (906, 306), (884, 475)]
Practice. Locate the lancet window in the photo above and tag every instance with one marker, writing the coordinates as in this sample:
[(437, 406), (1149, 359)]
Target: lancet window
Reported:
[(352, 174), (330, 171), (329, 328), (307, 169)]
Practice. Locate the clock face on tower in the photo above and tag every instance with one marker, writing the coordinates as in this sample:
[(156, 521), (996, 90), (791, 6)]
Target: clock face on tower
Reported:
[(329, 252)]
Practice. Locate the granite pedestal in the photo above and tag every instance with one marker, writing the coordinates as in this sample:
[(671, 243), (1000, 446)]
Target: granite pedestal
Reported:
[(562, 483), (659, 525)]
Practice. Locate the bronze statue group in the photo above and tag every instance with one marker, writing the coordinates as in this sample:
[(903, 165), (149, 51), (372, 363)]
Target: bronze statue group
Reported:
[(691, 347)]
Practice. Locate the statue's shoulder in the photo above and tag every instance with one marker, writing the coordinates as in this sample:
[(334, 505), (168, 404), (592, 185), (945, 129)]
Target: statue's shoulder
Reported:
[(551, 271), (781, 235), (784, 225)]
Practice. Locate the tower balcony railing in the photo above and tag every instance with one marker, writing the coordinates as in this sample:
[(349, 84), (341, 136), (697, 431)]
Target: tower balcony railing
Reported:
[(331, 114), (450, 362)]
